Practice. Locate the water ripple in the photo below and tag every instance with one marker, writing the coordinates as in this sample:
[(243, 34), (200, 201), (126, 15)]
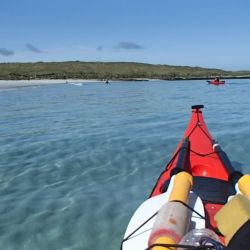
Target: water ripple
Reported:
[(76, 161)]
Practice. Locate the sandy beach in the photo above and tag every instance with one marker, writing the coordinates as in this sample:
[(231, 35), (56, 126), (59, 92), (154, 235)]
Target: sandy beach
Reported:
[(6, 84)]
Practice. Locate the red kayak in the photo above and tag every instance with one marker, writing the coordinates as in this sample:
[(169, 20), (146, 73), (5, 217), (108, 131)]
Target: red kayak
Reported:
[(213, 181), (198, 154), (216, 82)]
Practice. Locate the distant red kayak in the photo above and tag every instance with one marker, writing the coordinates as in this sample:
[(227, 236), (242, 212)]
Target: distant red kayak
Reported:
[(216, 82)]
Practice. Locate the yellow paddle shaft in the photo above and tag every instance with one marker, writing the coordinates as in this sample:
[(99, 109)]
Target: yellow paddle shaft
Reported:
[(182, 185), (244, 185)]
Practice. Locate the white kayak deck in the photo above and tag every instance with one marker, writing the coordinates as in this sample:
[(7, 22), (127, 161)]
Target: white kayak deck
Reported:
[(139, 240)]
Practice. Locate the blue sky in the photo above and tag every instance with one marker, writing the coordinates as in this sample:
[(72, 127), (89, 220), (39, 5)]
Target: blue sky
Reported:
[(206, 33)]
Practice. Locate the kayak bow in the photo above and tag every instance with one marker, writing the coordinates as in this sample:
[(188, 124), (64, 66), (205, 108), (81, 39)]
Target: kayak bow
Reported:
[(213, 181)]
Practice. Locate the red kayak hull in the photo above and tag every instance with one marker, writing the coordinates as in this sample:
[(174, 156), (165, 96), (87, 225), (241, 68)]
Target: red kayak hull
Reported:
[(216, 82), (204, 164)]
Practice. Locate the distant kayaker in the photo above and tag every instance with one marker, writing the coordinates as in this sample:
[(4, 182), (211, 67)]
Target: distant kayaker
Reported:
[(217, 79)]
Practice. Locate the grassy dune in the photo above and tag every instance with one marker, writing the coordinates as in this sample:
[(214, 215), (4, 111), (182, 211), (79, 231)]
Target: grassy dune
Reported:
[(108, 70)]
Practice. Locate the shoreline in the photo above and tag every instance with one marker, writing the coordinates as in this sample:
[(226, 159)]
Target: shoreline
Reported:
[(7, 84)]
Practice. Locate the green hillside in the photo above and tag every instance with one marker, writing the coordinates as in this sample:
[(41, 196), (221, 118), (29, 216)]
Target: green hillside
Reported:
[(108, 70)]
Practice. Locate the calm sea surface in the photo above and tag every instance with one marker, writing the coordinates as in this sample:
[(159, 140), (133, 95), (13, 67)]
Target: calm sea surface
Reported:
[(77, 160)]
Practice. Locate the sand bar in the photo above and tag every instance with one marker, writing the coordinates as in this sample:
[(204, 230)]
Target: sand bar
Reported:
[(29, 83)]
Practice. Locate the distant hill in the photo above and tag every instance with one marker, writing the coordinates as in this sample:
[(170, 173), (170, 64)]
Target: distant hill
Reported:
[(109, 70)]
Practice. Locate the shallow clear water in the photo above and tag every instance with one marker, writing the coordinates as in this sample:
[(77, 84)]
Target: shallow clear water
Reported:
[(76, 161)]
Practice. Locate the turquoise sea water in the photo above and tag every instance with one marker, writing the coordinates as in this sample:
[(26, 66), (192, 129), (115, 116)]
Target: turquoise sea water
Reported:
[(77, 160)]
